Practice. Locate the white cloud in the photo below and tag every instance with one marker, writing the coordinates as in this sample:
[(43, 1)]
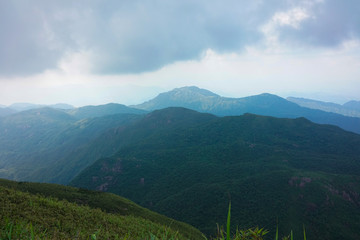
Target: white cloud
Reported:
[(76, 63), (235, 48), (291, 18), (324, 72)]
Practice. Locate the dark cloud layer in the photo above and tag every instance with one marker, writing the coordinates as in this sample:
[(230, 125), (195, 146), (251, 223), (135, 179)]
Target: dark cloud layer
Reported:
[(138, 36)]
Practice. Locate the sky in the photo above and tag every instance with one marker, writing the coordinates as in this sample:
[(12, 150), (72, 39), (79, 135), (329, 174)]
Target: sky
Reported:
[(90, 52)]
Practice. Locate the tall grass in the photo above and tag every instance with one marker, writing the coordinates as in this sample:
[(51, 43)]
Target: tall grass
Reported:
[(26, 216), (228, 223), (249, 234)]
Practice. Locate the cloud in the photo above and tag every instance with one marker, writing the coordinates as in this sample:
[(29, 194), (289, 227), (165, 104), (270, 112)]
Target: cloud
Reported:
[(120, 37), (291, 18), (331, 23)]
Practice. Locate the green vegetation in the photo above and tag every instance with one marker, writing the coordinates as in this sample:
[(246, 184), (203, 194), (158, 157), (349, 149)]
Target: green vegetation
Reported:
[(48, 145), (184, 164), (248, 234), (289, 171), (29, 210)]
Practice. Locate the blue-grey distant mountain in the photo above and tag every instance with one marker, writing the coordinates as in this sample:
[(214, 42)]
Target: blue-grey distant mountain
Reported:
[(264, 104), (6, 111), (27, 106), (345, 109), (64, 106), (354, 105), (24, 106), (103, 110)]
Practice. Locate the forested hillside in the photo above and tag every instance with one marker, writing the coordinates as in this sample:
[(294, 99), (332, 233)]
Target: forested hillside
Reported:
[(49, 145), (286, 171)]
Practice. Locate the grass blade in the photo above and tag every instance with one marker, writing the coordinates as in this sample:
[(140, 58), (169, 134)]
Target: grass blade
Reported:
[(228, 223)]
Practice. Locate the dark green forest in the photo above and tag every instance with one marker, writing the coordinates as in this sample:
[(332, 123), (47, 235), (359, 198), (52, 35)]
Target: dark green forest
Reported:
[(188, 165)]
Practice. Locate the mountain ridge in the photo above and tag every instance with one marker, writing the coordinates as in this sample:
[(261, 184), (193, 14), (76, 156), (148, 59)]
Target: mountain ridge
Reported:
[(102, 110), (28, 106), (345, 109), (263, 104)]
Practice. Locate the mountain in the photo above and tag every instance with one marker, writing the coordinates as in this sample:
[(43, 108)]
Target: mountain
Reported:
[(353, 105), (187, 165), (187, 97), (24, 106), (28, 106), (49, 211), (49, 145), (6, 111), (264, 104), (103, 110), (61, 106), (327, 106)]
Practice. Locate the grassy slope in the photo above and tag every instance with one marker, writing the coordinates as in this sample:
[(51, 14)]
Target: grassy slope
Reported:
[(36, 203)]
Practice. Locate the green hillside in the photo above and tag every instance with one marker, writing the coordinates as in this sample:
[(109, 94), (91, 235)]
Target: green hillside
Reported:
[(286, 171), (48, 145), (50, 211)]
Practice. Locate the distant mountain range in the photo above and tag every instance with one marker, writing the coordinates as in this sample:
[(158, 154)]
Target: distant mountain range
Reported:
[(27, 106), (102, 110), (184, 163), (187, 165), (53, 145), (351, 108), (346, 116), (19, 107), (50, 145), (264, 104)]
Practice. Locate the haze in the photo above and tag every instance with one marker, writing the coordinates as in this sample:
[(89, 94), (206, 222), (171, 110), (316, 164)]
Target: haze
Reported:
[(95, 52)]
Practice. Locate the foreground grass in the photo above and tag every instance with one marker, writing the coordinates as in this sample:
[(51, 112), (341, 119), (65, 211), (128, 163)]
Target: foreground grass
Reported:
[(248, 234), (111, 204), (26, 216), (36, 214)]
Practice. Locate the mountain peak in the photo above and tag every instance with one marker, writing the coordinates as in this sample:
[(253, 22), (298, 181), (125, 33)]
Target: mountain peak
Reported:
[(193, 90), (188, 97)]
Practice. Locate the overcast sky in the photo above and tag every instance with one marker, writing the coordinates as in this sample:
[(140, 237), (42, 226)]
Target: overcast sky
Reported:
[(93, 51)]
